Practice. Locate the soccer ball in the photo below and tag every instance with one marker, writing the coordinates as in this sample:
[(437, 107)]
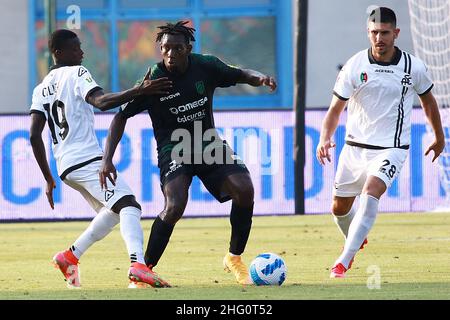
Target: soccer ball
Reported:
[(268, 269)]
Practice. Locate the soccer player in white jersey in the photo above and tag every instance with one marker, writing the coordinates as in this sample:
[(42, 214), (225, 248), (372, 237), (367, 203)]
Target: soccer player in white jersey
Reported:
[(379, 85), (64, 99)]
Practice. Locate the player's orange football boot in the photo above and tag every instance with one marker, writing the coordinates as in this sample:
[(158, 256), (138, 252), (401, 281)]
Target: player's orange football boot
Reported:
[(234, 264), (139, 272), (338, 271), (67, 263)]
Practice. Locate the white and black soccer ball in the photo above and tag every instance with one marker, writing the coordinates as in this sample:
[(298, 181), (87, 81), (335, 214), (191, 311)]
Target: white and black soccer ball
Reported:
[(268, 269)]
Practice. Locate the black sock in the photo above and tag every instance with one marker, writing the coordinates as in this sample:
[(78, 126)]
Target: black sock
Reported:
[(241, 223), (157, 242)]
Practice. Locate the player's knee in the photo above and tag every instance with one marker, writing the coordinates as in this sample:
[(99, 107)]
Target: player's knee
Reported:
[(126, 201), (340, 209), (243, 196), (173, 212)]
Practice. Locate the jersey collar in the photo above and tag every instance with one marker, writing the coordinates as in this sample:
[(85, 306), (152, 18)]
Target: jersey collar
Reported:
[(56, 66), (395, 60)]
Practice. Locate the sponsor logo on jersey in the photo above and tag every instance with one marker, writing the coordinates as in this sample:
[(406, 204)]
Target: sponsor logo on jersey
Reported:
[(363, 77), (81, 71), (169, 97), (192, 117), (384, 71), (189, 106), (109, 194), (406, 81), (173, 166), (200, 86)]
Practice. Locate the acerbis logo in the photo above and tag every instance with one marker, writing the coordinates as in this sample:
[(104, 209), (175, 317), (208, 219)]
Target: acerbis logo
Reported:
[(169, 97), (189, 106), (109, 194)]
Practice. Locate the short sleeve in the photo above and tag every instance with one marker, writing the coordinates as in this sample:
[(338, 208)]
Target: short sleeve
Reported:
[(84, 83), (343, 88), (37, 104), (224, 74), (422, 80), (135, 106)]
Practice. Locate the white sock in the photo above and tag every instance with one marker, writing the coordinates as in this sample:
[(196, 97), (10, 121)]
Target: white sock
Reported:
[(343, 222), (359, 228), (131, 230), (100, 226)]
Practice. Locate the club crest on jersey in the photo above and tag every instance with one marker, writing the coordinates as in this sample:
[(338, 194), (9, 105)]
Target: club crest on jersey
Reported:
[(406, 81), (363, 77), (200, 86), (109, 194)]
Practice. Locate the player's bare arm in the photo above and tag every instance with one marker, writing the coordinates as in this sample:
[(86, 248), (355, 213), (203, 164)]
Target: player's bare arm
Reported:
[(431, 110), (108, 101), (115, 132), (256, 79), (38, 122), (329, 126)]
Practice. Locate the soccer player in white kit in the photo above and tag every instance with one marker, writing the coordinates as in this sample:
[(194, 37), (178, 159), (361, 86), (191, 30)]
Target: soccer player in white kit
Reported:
[(379, 85), (64, 99)]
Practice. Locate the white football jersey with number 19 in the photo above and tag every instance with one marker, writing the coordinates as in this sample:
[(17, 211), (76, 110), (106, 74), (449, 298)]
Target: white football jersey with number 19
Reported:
[(61, 98)]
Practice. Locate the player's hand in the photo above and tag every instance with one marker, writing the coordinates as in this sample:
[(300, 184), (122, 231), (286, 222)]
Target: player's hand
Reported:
[(323, 151), (108, 170), (49, 192), (154, 87), (437, 146), (269, 82)]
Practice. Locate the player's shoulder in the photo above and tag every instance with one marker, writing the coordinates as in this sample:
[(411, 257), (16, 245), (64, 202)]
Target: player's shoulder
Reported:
[(357, 58), (37, 91), (77, 71), (361, 56), (416, 62), (204, 59)]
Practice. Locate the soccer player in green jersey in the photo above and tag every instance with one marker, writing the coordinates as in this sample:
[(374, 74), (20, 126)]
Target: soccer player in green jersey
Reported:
[(187, 108)]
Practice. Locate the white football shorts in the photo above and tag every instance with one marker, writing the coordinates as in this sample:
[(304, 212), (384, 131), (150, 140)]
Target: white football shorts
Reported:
[(86, 181), (356, 164)]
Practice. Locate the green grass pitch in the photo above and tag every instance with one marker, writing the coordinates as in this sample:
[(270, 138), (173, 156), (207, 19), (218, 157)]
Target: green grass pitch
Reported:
[(408, 255)]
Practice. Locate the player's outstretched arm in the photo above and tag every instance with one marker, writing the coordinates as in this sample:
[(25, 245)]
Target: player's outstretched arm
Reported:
[(329, 126), (431, 109), (108, 101), (256, 79), (115, 132), (37, 126)]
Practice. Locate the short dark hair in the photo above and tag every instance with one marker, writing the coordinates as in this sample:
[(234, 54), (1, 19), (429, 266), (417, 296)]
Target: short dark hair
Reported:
[(383, 15), (177, 28), (59, 37)]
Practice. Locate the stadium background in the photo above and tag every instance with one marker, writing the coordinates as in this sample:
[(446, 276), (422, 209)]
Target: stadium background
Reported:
[(118, 40)]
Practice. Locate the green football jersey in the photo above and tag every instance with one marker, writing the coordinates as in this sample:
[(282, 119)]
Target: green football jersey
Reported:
[(189, 101)]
